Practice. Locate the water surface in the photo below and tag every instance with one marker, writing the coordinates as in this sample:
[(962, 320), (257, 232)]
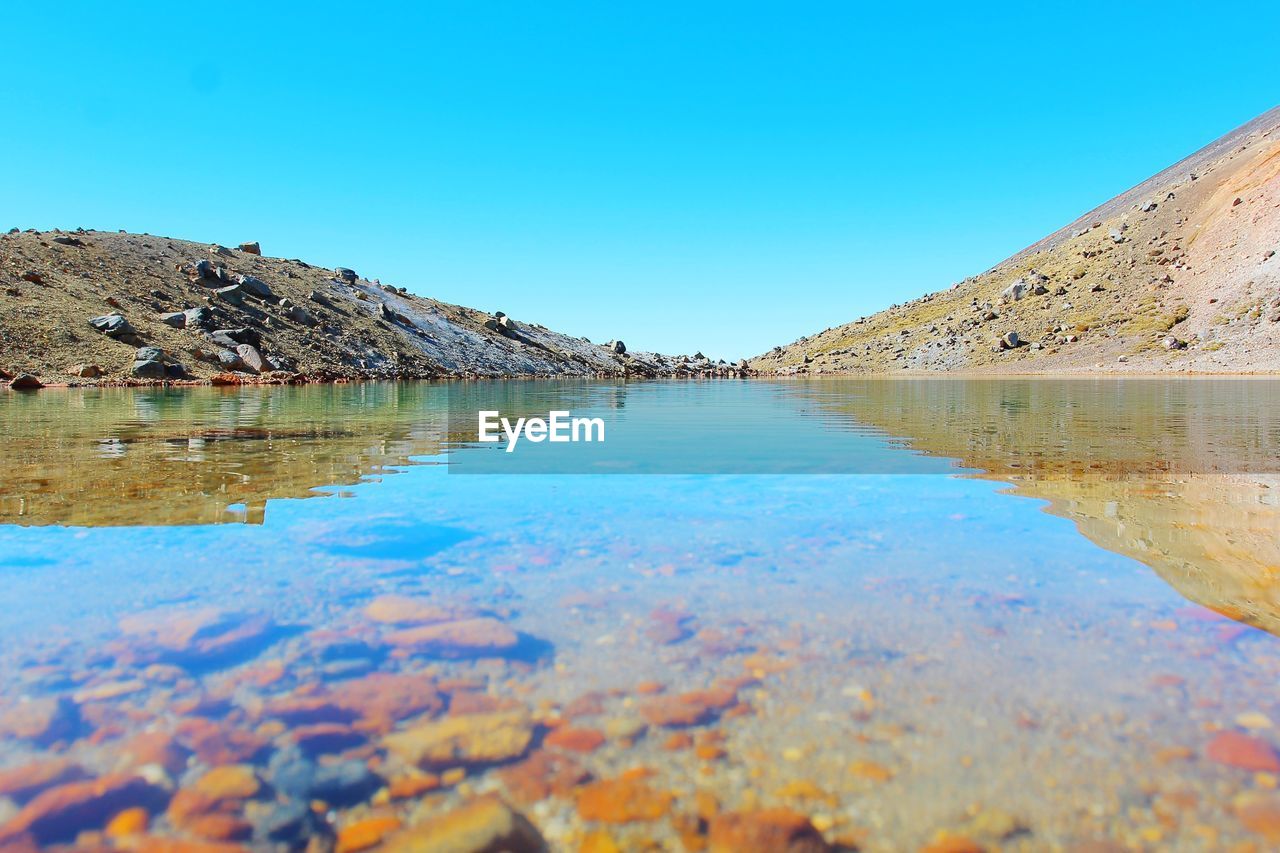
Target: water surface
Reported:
[(1034, 614)]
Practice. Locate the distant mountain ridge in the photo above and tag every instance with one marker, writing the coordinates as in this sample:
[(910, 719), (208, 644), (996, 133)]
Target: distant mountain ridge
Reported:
[(1177, 274)]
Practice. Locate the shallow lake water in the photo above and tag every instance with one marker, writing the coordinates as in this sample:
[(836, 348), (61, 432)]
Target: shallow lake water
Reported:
[(922, 614)]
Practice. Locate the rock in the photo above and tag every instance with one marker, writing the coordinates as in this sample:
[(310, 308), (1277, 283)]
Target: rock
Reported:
[(198, 318), (231, 338), (177, 319), (366, 833), (382, 699), (291, 821), (345, 784), (25, 382), (255, 286), (1243, 751), (230, 360), (233, 294), (482, 825), (251, 248), (203, 270), (768, 831), (149, 354), (1115, 235), (575, 739), (148, 370), (622, 800), (402, 610), (229, 782), (1010, 340), (44, 721), (33, 277), (1014, 292), (1172, 343), (462, 638), (471, 739), (345, 274), (617, 346), (508, 324), (185, 637), (251, 358), (64, 240), (299, 315), (689, 709), (112, 325), (61, 813), (25, 781)]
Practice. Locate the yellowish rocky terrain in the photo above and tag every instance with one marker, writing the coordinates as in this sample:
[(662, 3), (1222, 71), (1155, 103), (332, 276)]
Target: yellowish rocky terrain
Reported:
[(1177, 274)]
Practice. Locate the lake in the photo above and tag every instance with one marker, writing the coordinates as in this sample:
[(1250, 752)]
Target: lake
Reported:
[(1016, 614)]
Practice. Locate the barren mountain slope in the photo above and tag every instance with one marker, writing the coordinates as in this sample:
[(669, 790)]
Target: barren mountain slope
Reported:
[(1177, 274), (298, 321)]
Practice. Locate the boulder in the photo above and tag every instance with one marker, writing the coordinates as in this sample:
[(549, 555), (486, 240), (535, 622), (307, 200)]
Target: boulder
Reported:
[(251, 358), (230, 338), (203, 269), (1015, 291), (87, 371), (149, 370), (112, 325), (345, 274), (617, 346), (25, 382), (482, 824), (198, 318), (298, 314), (1010, 340), (177, 319), (251, 248), (255, 286), (233, 293), (230, 360)]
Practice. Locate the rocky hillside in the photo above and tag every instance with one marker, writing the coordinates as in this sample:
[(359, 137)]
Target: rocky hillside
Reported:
[(1178, 274), (89, 307)]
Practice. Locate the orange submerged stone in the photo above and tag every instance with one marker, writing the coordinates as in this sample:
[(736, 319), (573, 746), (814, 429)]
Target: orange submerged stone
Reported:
[(367, 833), (767, 831), (1243, 751), (575, 740), (622, 801)]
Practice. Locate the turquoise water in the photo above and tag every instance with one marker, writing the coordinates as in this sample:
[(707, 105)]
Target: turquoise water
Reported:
[(913, 650)]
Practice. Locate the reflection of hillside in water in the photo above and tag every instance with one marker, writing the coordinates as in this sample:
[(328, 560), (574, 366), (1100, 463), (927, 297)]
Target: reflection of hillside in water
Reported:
[(203, 456), (1183, 475)]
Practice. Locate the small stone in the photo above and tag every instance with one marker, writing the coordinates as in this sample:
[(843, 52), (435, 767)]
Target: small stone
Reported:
[(44, 721), (575, 739), (622, 800), (232, 782), (131, 821), (60, 814), (1243, 751), (465, 637), (768, 831), (87, 371), (366, 833), (112, 325), (33, 277), (470, 739), (480, 825)]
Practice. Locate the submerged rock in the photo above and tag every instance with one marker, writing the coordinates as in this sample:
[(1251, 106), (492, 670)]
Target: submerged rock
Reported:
[(482, 825), (464, 740), (481, 635)]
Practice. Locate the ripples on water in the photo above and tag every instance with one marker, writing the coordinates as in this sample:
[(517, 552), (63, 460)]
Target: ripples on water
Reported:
[(795, 615)]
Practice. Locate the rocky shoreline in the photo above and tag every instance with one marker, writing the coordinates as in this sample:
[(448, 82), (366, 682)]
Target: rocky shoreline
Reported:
[(103, 309)]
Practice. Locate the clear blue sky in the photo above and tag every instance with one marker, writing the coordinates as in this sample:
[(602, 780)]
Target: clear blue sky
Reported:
[(715, 176)]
